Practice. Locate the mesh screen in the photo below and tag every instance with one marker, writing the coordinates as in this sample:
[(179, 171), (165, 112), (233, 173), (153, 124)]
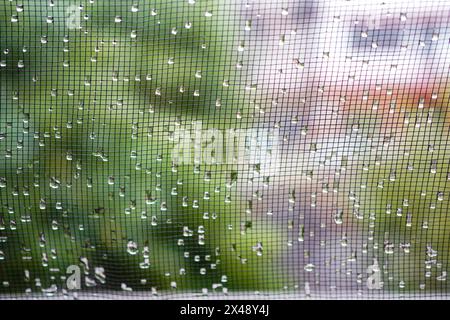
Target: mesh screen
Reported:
[(224, 148)]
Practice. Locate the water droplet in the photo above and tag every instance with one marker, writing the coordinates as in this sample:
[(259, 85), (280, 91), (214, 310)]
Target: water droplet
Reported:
[(337, 217), (132, 247), (54, 183), (309, 267), (135, 8)]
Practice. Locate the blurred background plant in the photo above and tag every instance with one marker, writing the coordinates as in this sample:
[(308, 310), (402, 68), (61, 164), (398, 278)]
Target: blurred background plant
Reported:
[(87, 176)]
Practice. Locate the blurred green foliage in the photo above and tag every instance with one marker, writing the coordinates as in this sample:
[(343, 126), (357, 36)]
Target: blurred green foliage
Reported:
[(86, 122)]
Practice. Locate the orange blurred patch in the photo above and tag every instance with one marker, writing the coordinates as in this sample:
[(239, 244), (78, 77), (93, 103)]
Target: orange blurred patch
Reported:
[(395, 105)]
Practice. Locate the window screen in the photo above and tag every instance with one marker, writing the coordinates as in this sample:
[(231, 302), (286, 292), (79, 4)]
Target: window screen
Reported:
[(224, 149)]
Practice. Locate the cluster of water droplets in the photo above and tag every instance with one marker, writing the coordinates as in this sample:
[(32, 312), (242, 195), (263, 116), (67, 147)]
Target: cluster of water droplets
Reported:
[(93, 110)]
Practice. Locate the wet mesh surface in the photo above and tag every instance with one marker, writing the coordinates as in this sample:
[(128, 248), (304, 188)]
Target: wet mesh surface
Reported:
[(212, 149)]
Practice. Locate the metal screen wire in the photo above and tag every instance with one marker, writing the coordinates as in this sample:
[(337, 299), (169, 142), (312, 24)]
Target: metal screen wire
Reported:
[(224, 149)]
